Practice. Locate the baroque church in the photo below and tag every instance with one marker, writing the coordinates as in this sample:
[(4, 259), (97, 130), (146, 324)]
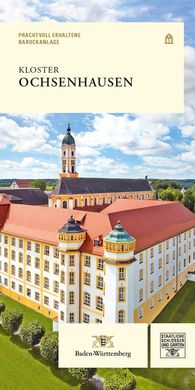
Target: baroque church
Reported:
[(73, 191)]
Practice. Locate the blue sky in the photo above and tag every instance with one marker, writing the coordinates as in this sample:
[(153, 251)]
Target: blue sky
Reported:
[(108, 145)]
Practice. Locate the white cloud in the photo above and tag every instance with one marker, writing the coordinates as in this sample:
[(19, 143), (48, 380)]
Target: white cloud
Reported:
[(91, 11), (28, 168), (102, 167), (19, 10)]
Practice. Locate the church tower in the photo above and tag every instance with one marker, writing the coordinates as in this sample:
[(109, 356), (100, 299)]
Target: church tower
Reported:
[(68, 155)]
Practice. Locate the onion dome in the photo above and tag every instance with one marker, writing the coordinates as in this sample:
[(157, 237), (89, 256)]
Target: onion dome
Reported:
[(71, 227), (119, 235), (68, 138)]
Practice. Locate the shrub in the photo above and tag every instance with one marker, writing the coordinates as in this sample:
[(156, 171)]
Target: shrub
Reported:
[(49, 347), (31, 333), (2, 307), (11, 321), (121, 379), (82, 374)]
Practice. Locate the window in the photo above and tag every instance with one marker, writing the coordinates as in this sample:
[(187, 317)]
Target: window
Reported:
[(71, 278), (20, 243), (62, 259), (46, 265), (56, 304), (21, 257), (87, 261), (56, 269), (173, 272), (46, 283), (160, 281), (71, 317), (86, 318), (100, 264), (37, 248), (160, 263), (6, 282), (5, 267), (13, 285), (28, 245), (167, 258), (62, 296), (46, 300), (141, 274), (5, 252), (62, 315), (121, 316), (87, 299), (13, 255), (167, 275), (173, 255), (160, 248), (98, 321), (140, 314), (55, 286), (56, 252), (184, 262), (28, 260), (99, 282), (6, 239), (37, 279), (152, 286), (121, 294), (28, 276), (121, 273), (13, 241), (167, 244), (160, 297), (37, 262), (20, 289), (28, 292), (46, 250), (152, 268), (99, 303), (71, 298), (152, 304), (174, 241), (62, 277), (151, 252), (37, 296), (141, 257), (87, 278), (141, 294), (20, 272), (71, 260), (13, 270)]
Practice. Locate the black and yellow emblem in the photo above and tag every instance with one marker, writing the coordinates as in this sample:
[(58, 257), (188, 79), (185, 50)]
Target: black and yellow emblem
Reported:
[(103, 342)]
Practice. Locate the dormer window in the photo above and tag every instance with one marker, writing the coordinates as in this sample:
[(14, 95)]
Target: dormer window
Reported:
[(97, 242), (64, 153)]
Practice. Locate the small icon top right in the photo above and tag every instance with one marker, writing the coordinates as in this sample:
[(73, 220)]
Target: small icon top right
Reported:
[(169, 39)]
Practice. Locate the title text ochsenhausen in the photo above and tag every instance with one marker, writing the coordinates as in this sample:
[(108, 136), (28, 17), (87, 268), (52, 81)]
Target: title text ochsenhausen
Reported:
[(76, 81)]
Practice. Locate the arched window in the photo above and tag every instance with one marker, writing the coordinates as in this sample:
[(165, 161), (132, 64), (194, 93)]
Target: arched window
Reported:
[(86, 202), (72, 153), (76, 203), (64, 204)]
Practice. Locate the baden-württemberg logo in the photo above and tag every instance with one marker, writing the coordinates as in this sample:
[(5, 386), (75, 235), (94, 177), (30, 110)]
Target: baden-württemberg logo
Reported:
[(173, 345), (103, 342)]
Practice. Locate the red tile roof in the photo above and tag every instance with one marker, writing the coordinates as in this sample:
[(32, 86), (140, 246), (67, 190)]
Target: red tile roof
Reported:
[(23, 183), (150, 222)]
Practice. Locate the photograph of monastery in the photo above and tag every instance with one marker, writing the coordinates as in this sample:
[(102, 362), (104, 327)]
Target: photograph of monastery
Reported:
[(93, 250)]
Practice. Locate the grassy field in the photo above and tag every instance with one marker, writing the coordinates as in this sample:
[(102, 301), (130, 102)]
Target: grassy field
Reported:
[(28, 314)]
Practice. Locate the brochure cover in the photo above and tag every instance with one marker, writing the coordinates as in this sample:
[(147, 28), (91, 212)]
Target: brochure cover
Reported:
[(97, 195)]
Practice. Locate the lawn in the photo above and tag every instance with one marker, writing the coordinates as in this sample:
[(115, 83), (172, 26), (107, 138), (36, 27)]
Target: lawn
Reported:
[(182, 306), (28, 314), (22, 368)]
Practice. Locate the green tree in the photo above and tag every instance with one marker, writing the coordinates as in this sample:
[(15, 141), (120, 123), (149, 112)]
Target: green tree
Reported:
[(2, 307), (189, 200), (11, 320), (31, 333), (168, 194), (39, 183), (49, 347), (82, 374), (121, 379)]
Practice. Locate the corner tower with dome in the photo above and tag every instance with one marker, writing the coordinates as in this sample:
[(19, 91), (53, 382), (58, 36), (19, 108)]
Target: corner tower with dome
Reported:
[(68, 155)]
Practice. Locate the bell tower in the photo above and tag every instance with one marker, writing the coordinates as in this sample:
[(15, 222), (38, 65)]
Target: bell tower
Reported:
[(68, 156)]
